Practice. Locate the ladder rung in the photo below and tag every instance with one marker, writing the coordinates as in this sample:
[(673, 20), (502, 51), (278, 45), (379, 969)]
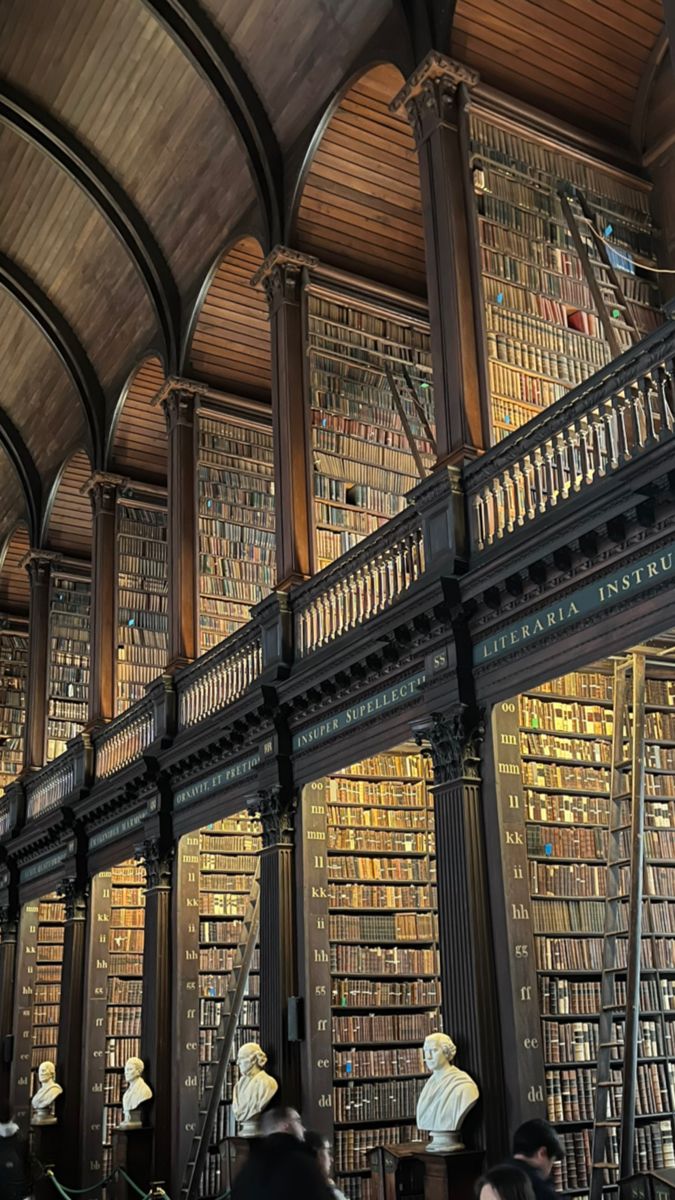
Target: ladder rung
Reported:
[(614, 1124), (606, 1166), (609, 1045)]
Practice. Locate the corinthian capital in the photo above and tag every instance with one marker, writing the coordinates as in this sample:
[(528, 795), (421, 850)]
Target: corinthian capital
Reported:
[(279, 275), (455, 739), (428, 96)]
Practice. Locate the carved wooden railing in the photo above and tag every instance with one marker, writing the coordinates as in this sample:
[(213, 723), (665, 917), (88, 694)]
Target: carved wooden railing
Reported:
[(48, 789), (360, 584), (618, 415), (5, 816), (123, 741), (219, 677)]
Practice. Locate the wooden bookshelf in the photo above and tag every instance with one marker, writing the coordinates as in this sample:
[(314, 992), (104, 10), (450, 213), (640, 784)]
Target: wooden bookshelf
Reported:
[(236, 523), (13, 682), (371, 952), (142, 628), (215, 869), (561, 733), (542, 328), (41, 935), (114, 999), (363, 461), (69, 640)]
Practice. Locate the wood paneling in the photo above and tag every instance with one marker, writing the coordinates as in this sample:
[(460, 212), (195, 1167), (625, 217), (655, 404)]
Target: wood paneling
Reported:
[(576, 60), (57, 236), (360, 205), (36, 391), (69, 528), (298, 52), (14, 585), (12, 506), (139, 446), (113, 74), (230, 345)]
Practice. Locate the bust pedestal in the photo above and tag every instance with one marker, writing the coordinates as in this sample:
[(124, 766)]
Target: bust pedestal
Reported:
[(410, 1172), (234, 1152), (132, 1151), (45, 1144)]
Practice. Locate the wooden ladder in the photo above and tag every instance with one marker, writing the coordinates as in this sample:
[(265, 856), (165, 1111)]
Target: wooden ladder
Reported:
[(224, 1042), (402, 388), (613, 309), (616, 1082)]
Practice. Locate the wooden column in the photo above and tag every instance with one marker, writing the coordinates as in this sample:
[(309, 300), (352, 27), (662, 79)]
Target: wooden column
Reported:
[(432, 100), (39, 567), (9, 918), (281, 277), (71, 1023), (156, 854), (179, 409), (103, 494), (278, 943), (470, 997)]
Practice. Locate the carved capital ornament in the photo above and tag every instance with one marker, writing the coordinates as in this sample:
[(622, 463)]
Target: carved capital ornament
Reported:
[(455, 740), (427, 98), (279, 275), (276, 813)]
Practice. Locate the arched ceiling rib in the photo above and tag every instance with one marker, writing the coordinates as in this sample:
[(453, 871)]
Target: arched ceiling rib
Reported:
[(230, 344), (69, 516), (25, 471), (360, 206), (139, 445), (37, 124), (199, 38), (14, 585), (37, 393), (62, 338), (12, 497), (53, 232)]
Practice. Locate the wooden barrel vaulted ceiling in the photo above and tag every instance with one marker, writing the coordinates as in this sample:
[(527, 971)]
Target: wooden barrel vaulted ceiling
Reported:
[(152, 151)]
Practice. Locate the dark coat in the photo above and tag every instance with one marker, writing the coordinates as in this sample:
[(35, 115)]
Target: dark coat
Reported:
[(543, 1188), (280, 1167), (15, 1165)]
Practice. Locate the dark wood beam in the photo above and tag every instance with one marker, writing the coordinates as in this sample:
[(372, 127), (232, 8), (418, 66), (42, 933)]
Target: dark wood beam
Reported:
[(638, 126), (200, 40), (430, 25), (40, 127), (65, 342), (22, 460), (669, 18)]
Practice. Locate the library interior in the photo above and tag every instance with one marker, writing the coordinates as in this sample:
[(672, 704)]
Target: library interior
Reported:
[(337, 605)]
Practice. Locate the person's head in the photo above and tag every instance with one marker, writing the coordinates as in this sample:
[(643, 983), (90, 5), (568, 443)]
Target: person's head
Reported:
[(133, 1069), (282, 1120), (46, 1072), (538, 1143), (439, 1050), (321, 1148), (6, 1112), (504, 1183), (251, 1058)]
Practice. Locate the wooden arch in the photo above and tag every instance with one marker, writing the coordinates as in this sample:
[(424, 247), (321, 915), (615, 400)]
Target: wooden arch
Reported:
[(14, 585), (357, 204), (68, 522), (229, 346), (137, 444)]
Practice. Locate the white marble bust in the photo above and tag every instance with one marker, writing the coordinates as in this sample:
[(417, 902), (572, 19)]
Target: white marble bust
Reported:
[(253, 1090), (46, 1095), (137, 1092), (446, 1098)]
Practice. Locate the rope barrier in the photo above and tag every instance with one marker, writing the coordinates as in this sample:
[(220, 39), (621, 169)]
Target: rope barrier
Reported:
[(67, 1193)]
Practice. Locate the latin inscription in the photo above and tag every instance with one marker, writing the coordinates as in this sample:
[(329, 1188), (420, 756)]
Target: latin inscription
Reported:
[(399, 693), (593, 598)]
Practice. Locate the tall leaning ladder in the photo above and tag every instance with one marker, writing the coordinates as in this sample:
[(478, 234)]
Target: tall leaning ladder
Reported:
[(224, 1042), (614, 1120), (612, 306)]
